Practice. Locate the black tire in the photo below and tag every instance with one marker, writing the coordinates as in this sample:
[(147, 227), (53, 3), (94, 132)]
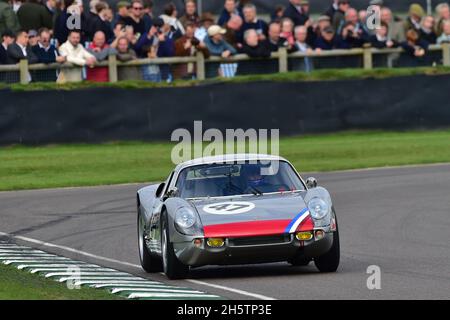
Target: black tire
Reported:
[(149, 262), (329, 262), (172, 267)]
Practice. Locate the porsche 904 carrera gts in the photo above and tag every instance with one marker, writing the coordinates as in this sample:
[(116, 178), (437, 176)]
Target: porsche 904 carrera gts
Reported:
[(235, 209)]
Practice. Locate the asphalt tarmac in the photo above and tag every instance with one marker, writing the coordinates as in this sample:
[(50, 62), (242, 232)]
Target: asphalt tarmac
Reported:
[(397, 219)]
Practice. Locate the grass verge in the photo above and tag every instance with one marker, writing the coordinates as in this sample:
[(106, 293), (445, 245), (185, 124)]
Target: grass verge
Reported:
[(316, 75), (20, 285), (25, 167)]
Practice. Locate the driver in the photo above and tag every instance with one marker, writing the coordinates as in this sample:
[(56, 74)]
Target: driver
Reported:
[(255, 180)]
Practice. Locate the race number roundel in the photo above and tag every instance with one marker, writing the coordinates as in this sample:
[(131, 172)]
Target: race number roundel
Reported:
[(230, 207)]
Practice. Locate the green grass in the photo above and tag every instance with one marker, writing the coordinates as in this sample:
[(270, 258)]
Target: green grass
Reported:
[(25, 167), (21, 285), (316, 75)]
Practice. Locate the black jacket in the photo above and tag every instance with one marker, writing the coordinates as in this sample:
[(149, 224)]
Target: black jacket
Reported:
[(45, 56), (262, 50), (298, 18), (3, 55), (15, 54)]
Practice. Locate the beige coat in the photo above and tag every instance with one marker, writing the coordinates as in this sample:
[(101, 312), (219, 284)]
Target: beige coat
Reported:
[(75, 55)]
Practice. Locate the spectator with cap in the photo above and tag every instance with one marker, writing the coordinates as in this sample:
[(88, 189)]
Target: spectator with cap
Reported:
[(328, 40), (339, 16), (380, 39), (322, 22), (230, 8), (206, 21), (7, 39), (445, 36), (33, 15), (190, 13), (251, 21), (123, 8), (134, 18), (76, 54), (170, 17), (415, 15), (100, 49), (215, 43), (253, 46), (426, 32), (273, 36), (233, 27), (396, 31), (8, 19), (295, 13), (33, 38), (442, 14)]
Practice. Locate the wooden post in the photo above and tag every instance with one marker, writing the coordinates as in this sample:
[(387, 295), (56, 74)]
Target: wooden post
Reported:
[(446, 54), (367, 57), (200, 65), (112, 68), (282, 60), (23, 69)]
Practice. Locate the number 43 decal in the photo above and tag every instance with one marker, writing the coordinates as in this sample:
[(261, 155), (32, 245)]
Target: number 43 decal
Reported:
[(231, 207)]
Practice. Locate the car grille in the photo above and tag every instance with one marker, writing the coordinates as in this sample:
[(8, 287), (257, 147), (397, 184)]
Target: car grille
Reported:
[(254, 241)]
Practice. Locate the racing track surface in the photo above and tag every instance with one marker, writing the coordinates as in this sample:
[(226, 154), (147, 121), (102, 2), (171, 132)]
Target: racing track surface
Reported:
[(396, 218)]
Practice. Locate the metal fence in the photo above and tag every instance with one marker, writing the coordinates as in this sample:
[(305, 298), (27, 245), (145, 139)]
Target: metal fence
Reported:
[(197, 67)]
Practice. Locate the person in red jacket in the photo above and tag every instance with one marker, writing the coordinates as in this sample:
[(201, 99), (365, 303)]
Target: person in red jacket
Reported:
[(101, 50)]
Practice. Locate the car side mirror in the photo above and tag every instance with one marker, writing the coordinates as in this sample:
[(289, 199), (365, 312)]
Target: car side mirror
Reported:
[(160, 189), (311, 182), (172, 192)]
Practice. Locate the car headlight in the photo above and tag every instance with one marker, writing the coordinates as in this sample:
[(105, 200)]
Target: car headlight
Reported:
[(185, 218), (318, 208)]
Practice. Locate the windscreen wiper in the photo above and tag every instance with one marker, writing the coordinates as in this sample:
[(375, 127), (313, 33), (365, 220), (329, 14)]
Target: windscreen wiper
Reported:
[(256, 191)]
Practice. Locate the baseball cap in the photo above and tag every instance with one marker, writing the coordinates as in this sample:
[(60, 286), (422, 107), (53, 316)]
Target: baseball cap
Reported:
[(32, 33), (215, 29)]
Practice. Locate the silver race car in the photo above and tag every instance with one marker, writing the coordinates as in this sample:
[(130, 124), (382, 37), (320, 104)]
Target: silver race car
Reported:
[(235, 209)]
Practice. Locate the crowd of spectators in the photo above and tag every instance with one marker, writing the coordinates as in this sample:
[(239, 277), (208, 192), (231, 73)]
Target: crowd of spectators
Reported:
[(49, 31)]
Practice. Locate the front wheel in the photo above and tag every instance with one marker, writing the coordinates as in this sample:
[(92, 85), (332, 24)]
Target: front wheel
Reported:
[(329, 262), (173, 268), (150, 263)]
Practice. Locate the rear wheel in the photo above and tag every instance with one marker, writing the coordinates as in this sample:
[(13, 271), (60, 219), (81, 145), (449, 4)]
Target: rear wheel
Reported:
[(329, 262), (150, 263), (173, 268)]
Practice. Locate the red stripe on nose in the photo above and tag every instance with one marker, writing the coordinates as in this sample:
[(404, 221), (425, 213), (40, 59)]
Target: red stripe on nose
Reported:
[(246, 229)]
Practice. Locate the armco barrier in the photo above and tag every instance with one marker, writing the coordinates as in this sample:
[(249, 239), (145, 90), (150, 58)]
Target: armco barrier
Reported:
[(97, 115)]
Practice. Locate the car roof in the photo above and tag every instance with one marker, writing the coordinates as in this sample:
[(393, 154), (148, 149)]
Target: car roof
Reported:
[(228, 158)]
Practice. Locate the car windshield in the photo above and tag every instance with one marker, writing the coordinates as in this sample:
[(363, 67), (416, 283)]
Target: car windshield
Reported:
[(242, 178)]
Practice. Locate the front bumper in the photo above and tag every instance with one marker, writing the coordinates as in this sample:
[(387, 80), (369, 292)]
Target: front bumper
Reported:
[(235, 252)]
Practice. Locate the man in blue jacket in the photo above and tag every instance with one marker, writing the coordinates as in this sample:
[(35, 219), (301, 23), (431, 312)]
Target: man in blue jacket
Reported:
[(215, 43), (46, 53)]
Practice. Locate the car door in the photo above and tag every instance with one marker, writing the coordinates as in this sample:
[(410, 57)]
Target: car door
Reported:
[(155, 223)]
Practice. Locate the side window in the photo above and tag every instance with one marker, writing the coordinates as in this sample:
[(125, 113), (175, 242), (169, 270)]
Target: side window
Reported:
[(169, 180)]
